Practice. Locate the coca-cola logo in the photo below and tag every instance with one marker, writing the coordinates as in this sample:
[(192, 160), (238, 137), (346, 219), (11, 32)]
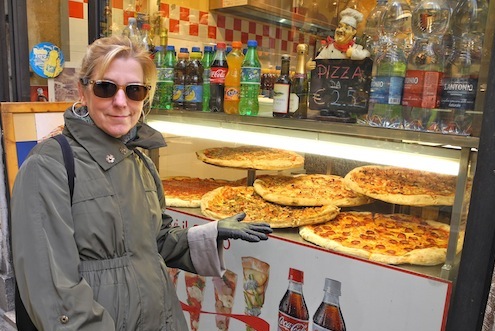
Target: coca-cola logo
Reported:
[(290, 325), (218, 73)]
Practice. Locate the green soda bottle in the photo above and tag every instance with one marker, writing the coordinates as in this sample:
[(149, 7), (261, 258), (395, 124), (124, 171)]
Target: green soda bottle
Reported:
[(250, 81), (206, 62), (165, 77)]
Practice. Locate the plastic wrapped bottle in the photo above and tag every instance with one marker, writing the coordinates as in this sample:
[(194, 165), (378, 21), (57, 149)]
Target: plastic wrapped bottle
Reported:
[(206, 62), (373, 31), (397, 25), (425, 66), (461, 73), (233, 79), (250, 81)]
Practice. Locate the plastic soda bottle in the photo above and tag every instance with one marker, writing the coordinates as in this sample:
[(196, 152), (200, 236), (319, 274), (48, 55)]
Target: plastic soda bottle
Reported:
[(218, 71), (292, 312), (165, 63), (206, 62), (179, 79), (233, 79), (193, 90), (250, 81), (328, 316)]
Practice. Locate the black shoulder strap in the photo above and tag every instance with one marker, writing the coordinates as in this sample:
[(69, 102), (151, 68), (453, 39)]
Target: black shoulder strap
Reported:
[(68, 160), (23, 321)]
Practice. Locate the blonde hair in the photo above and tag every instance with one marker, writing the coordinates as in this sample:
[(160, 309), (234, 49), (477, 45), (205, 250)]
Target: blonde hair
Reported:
[(103, 51)]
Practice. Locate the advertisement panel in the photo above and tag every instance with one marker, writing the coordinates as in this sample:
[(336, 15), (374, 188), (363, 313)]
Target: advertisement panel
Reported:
[(374, 297)]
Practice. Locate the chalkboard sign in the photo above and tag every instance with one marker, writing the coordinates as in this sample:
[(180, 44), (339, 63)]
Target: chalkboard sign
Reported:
[(339, 90)]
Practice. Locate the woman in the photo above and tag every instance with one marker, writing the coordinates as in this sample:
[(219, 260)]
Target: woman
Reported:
[(98, 262)]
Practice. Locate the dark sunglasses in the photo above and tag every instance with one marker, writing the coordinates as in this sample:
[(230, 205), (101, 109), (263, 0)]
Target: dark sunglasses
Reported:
[(107, 89)]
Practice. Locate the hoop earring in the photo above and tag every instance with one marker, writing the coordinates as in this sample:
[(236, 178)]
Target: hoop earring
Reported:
[(80, 112)]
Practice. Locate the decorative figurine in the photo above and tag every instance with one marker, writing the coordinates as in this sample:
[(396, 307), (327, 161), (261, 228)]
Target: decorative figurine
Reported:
[(343, 45)]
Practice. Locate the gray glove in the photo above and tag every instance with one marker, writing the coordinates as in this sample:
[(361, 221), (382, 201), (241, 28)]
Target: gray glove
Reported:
[(233, 228)]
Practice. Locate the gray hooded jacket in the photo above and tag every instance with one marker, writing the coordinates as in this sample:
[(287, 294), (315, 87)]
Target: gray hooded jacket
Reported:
[(100, 263)]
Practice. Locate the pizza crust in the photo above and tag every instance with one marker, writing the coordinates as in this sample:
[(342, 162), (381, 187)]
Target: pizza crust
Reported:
[(224, 202), (406, 186), (308, 190)]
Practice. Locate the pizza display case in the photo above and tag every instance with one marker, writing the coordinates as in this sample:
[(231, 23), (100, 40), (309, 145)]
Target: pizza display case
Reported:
[(335, 147)]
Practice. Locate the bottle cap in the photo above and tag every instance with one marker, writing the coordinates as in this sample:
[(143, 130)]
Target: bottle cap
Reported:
[(285, 57), (146, 26), (296, 275), (131, 20), (221, 45), (183, 50), (159, 48), (332, 286), (196, 49), (208, 49), (170, 48), (252, 43), (237, 44)]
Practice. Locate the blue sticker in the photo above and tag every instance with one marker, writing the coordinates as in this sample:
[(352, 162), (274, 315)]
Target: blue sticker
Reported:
[(46, 60)]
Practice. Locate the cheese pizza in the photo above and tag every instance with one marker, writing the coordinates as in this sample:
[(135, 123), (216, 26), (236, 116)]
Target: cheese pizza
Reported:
[(227, 201), (402, 186), (251, 157), (308, 190)]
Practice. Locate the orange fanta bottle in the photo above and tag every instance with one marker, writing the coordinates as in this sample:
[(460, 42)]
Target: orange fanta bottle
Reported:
[(233, 79)]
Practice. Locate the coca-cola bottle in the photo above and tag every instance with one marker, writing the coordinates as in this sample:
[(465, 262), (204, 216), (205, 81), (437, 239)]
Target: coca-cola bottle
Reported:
[(328, 316), (292, 311), (218, 71)]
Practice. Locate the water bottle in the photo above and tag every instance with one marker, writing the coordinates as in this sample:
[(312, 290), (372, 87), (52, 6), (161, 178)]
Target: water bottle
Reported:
[(132, 32), (373, 31), (206, 62), (250, 81)]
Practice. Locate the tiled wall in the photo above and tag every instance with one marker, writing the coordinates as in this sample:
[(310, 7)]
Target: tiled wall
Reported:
[(195, 27)]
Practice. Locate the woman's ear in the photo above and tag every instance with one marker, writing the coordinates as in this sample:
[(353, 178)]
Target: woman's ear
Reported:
[(81, 89)]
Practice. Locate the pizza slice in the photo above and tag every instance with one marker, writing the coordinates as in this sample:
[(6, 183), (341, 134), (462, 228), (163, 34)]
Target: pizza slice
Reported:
[(195, 286)]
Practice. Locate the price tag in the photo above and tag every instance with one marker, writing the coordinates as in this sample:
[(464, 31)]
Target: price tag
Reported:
[(339, 89)]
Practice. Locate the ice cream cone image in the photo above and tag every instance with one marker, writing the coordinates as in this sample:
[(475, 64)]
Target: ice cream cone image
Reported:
[(256, 275), (195, 286), (224, 298)]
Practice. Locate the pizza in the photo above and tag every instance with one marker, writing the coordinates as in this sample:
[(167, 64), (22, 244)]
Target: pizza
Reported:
[(183, 191), (227, 201), (251, 157), (402, 186), (386, 238), (308, 190)]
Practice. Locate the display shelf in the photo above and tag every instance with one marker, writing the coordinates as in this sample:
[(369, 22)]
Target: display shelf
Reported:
[(450, 154)]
